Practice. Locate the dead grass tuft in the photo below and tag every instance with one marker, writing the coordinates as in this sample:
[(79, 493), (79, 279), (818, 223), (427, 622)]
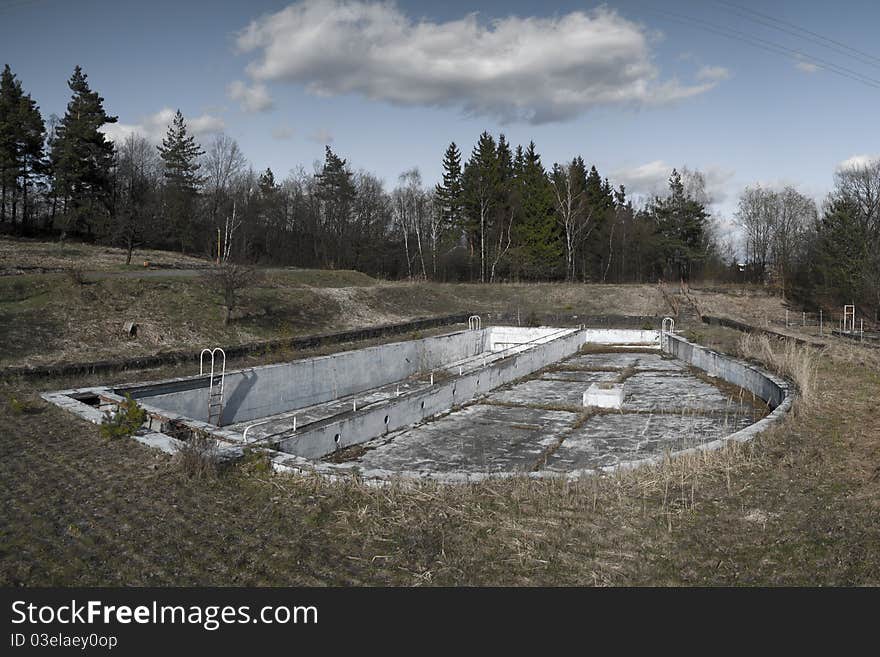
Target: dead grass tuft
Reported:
[(197, 457), (786, 358)]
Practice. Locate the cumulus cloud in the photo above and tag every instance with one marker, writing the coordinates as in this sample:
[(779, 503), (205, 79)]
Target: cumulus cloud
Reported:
[(154, 126), (514, 69), (253, 99), (652, 179), (858, 162), (648, 179)]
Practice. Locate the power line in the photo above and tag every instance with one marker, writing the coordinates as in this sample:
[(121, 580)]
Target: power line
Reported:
[(791, 53), (801, 32)]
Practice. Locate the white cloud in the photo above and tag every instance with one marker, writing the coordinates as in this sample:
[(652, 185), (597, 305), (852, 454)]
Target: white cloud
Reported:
[(713, 73), (858, 162), (806, 67), (652, 179), (205, 125), (154, 126), (322, 136), (253, 99), (533, 69), (648, 179)]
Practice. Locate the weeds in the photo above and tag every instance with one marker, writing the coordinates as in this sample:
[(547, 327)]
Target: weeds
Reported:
[(785, 357), (24, 407), (197, 457)]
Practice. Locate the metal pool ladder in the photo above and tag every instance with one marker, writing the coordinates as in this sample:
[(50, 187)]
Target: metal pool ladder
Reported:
[(215, 394)]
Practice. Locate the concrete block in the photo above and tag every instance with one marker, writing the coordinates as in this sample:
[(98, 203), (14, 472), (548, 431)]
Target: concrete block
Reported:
[(605, 395)]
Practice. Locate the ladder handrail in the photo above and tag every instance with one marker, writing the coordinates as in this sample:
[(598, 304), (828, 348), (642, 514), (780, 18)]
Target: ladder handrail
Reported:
[(670, 322), (213, 353), (474, 323)]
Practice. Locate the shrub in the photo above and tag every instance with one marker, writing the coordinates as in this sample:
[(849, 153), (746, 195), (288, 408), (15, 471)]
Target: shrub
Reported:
[(197, 457), (76, 276), (123, 423)]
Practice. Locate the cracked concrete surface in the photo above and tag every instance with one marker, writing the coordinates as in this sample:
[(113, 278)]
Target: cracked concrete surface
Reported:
[(540, 424)]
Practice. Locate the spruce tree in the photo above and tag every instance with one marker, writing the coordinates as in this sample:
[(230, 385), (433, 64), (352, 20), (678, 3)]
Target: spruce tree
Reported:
[(180, 155), (537, 233), (82, 158), (481, 181), (449, 194)]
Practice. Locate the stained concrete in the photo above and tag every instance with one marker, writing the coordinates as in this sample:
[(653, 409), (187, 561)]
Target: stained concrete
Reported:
[(519, 427), (479, 438), (619, 361), (609, 439), (580, 376), (673, 391)]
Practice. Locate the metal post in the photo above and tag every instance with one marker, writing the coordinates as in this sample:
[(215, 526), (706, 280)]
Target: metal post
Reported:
[(786, 319), (861, 330), (820, 322), (805, 318)]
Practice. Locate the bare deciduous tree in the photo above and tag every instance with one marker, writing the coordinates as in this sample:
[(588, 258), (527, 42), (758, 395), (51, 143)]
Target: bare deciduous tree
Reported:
[(571, 210), (137, 177), (229, 280)]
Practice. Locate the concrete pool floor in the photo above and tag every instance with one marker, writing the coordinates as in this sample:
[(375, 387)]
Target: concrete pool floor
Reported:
[(540, 423)]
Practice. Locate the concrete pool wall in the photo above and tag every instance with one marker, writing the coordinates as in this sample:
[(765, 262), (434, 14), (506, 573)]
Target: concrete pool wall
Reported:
[(258, 392), (323, 438), (468, 366)]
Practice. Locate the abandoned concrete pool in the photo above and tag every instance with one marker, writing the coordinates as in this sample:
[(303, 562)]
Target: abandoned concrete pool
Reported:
[(471, 404)]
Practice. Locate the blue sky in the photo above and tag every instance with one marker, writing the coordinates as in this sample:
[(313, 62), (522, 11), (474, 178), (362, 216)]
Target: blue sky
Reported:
[(635, 87)]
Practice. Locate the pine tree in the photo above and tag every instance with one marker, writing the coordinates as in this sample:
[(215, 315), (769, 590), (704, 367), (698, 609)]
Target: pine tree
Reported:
[(10, 93), (180, 155), (680, 228), (82, 157), (22, 135), (336, 192)]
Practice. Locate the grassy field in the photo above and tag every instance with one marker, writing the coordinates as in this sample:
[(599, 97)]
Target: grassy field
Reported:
[(27, 254), (799, 505), (49, 318)]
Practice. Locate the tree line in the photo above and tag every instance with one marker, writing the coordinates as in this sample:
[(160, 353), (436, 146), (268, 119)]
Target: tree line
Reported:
[(819, 256), (498, 213)]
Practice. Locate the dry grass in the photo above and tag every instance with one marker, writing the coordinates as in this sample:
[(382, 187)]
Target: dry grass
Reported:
[(197, 457), (797, 506), (28, 254), (787, 358)]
